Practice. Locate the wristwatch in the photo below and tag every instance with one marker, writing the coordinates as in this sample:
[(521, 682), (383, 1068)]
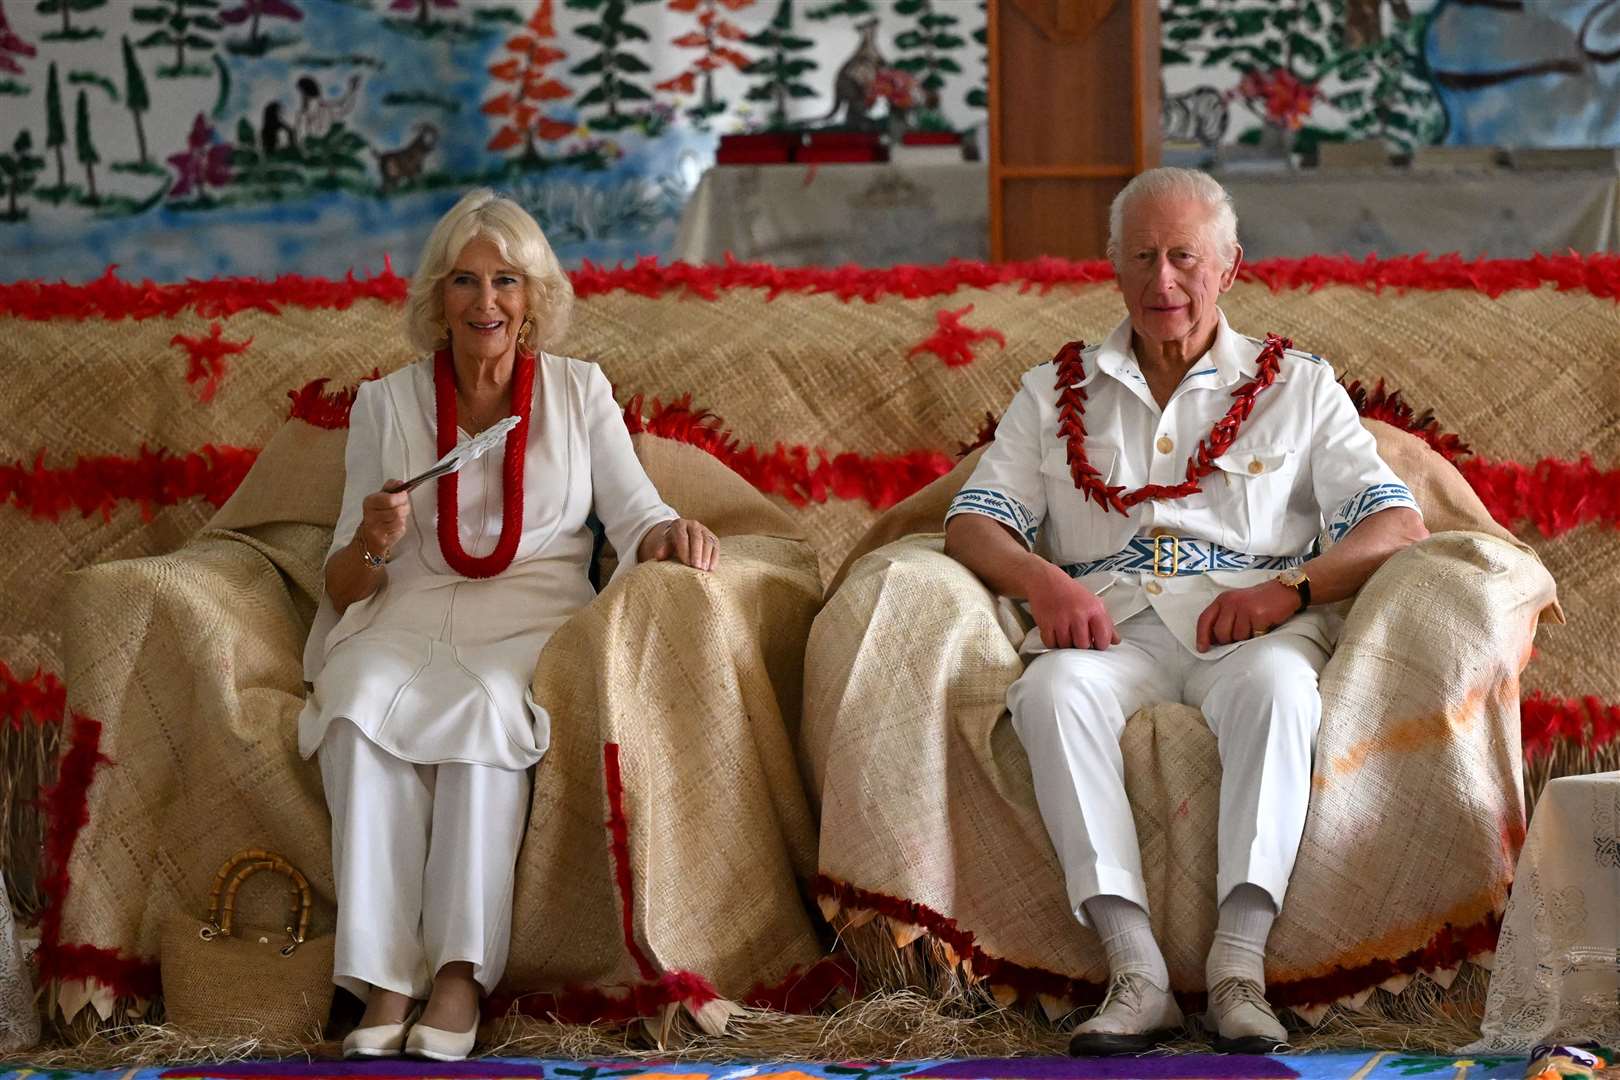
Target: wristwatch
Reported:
[(1297, 580)]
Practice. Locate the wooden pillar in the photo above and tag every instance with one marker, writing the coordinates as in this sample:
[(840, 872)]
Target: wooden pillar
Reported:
[(1074, 114)]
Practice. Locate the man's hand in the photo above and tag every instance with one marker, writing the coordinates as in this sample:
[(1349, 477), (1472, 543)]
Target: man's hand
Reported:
[(1069, 615), (1241, 614)]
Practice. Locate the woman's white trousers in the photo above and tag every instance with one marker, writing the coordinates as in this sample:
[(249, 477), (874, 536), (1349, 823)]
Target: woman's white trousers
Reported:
[(424, 857)]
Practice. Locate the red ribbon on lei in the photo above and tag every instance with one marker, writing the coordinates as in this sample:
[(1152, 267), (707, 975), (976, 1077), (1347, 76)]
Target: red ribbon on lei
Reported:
[(1071, 370), (517, 443)]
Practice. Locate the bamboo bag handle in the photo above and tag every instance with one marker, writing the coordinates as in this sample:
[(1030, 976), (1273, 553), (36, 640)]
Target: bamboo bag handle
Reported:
[(237, 869)]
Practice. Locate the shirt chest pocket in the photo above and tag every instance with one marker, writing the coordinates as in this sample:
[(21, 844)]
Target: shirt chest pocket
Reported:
[(1078, 530), (1255, 484)]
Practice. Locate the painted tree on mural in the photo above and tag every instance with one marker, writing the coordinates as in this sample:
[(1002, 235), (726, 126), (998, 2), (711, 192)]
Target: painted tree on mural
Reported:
[(55, 128), (521, 107), (423, 9), (84, 147), (181, 25), (1294, 57), (612, 63), (136, 98), (780, 71), (66, 9), (979, 96), (924, 50), (851, 9), (253, 12), (20, 168), (713, 32), (11, 45)]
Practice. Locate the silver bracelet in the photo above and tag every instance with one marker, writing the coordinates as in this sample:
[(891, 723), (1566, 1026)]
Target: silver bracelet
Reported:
[(372, 561)]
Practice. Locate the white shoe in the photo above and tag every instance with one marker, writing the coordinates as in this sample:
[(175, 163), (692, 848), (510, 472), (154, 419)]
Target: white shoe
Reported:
[(1134, 1017), (382, 1040), (1242, 1019), (436, 1044)]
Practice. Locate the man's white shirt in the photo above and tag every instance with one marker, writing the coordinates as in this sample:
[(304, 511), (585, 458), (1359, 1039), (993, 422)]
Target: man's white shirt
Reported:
[(1302, 465)]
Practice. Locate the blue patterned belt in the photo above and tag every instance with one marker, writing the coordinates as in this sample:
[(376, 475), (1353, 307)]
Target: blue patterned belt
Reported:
[(1175, 556)]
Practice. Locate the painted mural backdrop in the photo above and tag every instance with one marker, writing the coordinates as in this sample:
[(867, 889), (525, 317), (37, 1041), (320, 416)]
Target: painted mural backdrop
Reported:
[(189, 138), (1290, 74), (185, 138)]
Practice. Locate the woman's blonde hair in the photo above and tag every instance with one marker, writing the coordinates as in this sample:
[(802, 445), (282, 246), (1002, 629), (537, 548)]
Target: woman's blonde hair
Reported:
[(482, 214)]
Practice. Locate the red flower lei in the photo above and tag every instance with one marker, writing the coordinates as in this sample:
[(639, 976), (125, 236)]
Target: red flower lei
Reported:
[(1072, 428), (517, 442)]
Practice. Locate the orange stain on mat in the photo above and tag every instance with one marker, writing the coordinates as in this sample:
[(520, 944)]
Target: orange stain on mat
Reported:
[(1407, 736)]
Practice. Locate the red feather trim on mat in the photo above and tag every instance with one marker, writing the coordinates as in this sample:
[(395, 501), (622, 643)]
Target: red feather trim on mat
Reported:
[(153, 478), (206, 358), (798, 474), (42, 699), (1388, 406), (1449, 947), (1555, 496), (314, 404), (953, 342), (619, 832), (66, 806), (1544, 723), (110, 297)]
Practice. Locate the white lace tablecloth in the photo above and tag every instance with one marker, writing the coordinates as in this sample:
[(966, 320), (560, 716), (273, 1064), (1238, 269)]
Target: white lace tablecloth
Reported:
[(19, 1019), (1557, 972)]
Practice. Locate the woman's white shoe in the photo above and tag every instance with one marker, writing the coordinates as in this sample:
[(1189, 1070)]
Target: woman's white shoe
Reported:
[(383, 1040), (437, 1044)]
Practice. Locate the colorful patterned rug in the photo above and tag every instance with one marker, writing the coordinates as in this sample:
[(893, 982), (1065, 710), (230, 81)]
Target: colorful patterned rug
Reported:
[(1326, 1065)]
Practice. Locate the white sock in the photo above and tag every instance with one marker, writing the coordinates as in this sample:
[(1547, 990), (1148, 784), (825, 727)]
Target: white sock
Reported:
[(1240, 936), (1127, 938)]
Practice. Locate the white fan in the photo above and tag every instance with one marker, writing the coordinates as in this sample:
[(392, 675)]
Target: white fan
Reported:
[(459, 455)]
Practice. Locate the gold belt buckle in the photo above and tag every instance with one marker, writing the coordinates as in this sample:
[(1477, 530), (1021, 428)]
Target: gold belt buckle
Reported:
[(1175, 556)]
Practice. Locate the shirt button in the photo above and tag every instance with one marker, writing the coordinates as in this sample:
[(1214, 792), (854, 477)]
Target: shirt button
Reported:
[(1256, 466), (1153, 588), (1164, 444)]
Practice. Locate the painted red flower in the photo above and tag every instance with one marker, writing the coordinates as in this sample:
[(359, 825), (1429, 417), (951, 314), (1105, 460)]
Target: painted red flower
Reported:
[(11, 43), (204, 161), (1286, 99), (896, 87)]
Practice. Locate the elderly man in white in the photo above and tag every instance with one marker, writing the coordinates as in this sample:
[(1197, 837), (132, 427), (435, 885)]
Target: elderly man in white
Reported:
[(1157, 500)]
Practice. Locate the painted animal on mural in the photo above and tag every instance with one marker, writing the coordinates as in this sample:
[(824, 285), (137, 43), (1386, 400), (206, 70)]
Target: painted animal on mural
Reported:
[(852, 85), (1198, 115), (405, 164)]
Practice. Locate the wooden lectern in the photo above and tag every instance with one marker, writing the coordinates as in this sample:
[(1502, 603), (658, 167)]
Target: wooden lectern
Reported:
[(1074, 114)]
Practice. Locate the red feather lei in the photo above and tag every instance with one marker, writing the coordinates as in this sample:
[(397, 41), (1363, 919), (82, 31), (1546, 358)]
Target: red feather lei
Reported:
[(517, 442), (1071, 369)]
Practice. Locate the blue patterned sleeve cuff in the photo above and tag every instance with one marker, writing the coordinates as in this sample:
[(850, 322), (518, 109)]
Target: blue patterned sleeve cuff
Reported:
[(993, 504), (1367, 502)]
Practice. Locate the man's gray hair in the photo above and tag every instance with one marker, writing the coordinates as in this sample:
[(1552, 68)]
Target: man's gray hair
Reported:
[(1172, 183)]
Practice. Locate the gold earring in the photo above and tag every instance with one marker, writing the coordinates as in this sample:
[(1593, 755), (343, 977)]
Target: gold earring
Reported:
[(444, 334), (525, 331)]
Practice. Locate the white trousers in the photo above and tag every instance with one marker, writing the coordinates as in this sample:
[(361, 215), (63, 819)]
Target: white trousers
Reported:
[(1069, 709), (424, 858)]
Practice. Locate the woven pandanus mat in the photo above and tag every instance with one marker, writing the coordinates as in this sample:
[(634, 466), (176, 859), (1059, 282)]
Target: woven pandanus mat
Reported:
[(1524, 376), (1580, 657)]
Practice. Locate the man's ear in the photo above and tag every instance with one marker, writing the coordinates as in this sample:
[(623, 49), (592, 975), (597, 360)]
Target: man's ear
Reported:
[(1230, 276)]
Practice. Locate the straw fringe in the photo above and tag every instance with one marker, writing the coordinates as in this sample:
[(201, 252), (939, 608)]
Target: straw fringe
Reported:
[(1421, 1014)]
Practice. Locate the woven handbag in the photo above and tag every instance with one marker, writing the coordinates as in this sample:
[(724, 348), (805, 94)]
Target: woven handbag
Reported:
[(225, 981)]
